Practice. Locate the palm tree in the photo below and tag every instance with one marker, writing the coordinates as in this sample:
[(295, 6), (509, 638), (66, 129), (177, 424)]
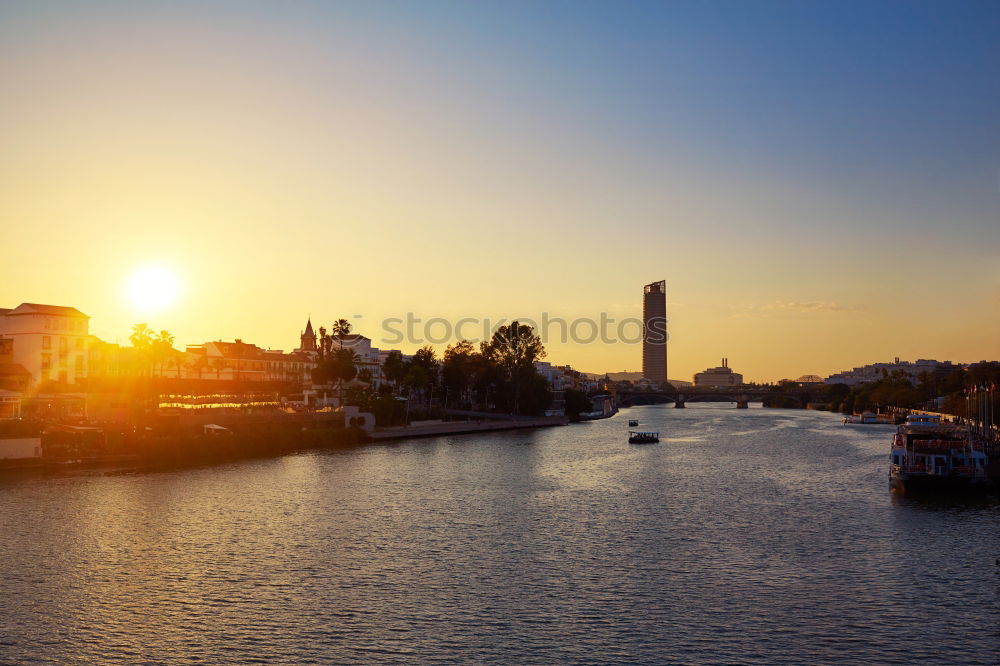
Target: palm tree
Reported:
[(199, 364), (340, 330), (142, 339), (163, 345)]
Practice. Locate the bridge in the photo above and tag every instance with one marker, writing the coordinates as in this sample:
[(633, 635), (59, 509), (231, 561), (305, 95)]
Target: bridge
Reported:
[(741, 395)]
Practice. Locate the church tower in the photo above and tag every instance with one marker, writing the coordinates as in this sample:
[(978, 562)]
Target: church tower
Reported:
[(308, 338)]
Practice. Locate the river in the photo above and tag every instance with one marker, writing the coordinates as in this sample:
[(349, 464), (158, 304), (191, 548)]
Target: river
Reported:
[(745, 536)]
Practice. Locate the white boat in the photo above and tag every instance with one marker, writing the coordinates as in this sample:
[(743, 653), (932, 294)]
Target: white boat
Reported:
[(930, 456), (868, 418)]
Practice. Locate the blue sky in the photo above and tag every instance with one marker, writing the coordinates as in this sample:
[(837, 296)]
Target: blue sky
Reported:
[(841, 155)]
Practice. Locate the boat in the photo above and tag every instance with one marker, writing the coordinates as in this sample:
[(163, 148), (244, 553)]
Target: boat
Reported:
[(639, 437), (929, 456), (869, 418), (632, 423)]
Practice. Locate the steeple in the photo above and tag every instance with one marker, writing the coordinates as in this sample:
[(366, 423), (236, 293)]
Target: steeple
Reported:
[(308, 338)]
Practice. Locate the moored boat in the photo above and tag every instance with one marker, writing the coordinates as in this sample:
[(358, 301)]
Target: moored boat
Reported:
[(632, 423), (930, 456), (868, 418)]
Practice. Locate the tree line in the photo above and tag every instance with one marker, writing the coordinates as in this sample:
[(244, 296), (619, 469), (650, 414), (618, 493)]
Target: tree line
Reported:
[(497, 376), (944, 391)]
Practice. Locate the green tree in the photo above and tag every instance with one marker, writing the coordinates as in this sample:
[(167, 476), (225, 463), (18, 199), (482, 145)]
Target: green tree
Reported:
[(142, 340), (394, 367), (577, 402), (340, 330), (338, 366), (198, 364), (163, 348), (513, 349), (459, 370)]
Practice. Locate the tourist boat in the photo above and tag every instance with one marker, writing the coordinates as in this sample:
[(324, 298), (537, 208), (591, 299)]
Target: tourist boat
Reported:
[(637, 437), (868, 418), (632, 423), (931, 456)]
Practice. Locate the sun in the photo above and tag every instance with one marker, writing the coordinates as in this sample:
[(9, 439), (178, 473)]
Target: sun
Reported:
[(152, 289)]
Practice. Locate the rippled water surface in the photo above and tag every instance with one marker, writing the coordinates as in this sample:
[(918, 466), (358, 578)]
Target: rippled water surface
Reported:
[(745, 536)]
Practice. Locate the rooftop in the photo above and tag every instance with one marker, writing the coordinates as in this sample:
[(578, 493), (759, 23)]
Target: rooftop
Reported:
[(38, 308)]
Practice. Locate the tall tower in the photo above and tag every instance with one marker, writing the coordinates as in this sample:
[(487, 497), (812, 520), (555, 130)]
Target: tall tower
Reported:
[(308, 338), (654, 331)]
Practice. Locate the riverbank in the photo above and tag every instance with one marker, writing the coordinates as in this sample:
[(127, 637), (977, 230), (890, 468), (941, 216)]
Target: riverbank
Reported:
[(242, 440), (462, 427)]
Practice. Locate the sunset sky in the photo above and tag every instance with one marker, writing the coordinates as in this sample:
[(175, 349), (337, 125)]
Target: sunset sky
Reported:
[(818, 183)]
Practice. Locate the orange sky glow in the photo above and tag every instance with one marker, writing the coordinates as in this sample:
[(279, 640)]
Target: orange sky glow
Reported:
[(354, 169)]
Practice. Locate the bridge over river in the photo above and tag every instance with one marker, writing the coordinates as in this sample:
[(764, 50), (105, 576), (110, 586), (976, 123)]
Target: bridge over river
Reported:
[(741, 395)]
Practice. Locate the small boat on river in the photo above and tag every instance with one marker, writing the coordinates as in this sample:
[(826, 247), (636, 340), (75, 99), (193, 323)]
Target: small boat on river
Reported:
[(633, 423), (639, 437)]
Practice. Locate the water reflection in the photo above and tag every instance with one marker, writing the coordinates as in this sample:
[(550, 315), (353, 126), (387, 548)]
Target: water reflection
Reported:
[(954, 504), (747, 536)]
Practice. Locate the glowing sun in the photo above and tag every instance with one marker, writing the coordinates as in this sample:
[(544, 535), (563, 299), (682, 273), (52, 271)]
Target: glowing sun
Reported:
[(152, 288)]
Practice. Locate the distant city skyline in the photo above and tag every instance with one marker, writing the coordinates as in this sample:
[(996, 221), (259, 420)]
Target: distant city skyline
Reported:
[(818, 183)]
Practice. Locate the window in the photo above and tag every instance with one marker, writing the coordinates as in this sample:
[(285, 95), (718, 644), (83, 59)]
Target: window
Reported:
[(78, 365), (81, 344), (63, 377), (46, 342), (46, 361), (63, 345)]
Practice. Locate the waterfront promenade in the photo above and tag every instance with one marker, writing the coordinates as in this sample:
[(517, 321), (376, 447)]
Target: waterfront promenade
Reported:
[(432, 428)]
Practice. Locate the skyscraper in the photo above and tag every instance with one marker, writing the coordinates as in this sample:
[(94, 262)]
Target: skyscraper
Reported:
[(654, 333)]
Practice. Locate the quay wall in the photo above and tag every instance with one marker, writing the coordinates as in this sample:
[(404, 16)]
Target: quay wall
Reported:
[(463, 427)]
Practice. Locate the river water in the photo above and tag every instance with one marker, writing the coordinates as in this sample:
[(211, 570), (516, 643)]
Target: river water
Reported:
[(745, 536)]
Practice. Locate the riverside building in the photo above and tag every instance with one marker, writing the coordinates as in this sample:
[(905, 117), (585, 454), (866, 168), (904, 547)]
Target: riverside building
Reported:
[(48, 341), (719, 376)]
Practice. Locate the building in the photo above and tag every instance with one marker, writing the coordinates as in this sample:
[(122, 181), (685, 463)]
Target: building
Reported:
[(109, 360), (563, 377), (654, 332), (720, 376), (48, 341), (14, 377), (367, 359), (307, 339), (871, 373), (245, 362)]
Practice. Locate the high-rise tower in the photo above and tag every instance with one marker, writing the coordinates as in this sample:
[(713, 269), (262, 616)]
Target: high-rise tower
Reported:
[(654, 331)]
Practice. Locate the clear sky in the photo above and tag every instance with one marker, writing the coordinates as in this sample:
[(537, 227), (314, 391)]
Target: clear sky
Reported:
[(819, 183)]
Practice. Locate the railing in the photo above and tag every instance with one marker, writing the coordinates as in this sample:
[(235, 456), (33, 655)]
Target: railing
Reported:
[(964, 470)]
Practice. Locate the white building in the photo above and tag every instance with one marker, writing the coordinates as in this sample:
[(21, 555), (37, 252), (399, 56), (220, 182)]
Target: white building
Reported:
[(871, 373), (50, 341), (367, 358), (563, 377), (720, 376)]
